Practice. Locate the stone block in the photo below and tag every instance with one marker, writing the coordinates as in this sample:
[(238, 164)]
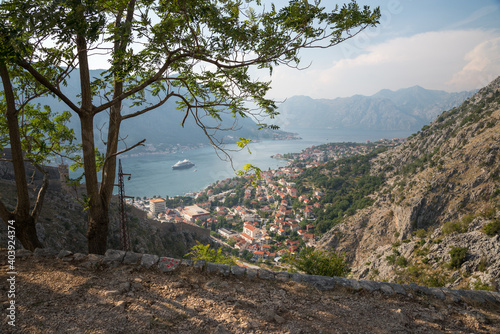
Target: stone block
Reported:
[(437, 293), (397, 288), (149, 260), (369, 286), (354, 284), (211, 268), (452, 295), (265, 274), (132, 258), (320, 282), (200, 264), (167, 264), (113, 256), (341, 281), (224, 269), (282, 276), (251, 273), (186, 263), (386, 289), (238, 271), (296, 277)]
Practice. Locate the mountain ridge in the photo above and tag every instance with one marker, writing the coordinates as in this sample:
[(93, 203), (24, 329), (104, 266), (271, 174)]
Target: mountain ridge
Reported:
[(404, 109)]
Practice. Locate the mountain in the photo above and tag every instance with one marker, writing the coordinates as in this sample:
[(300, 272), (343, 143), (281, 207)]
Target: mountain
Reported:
[(405, 109), (436, 219), (162, 126)]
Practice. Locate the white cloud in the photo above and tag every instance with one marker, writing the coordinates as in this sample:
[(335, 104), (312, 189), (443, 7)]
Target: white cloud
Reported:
[(483, 65), (446, 60)]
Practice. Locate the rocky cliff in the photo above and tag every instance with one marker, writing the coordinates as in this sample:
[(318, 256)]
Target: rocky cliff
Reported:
[(436, 220)]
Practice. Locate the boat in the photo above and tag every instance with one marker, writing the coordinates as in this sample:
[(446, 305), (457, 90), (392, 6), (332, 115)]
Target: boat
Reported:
[(184, 164)]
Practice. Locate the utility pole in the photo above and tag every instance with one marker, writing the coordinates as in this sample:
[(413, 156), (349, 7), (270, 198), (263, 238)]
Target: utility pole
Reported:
[(125, 239)]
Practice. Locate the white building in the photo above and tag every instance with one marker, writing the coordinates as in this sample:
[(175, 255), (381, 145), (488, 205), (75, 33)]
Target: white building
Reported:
[(157, 205)]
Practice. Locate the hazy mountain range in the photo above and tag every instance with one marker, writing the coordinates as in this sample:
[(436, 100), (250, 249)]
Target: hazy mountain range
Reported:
[(161, 126), (404, 109)]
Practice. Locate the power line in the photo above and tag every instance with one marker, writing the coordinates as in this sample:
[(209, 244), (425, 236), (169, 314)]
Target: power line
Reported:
[(125, 239)]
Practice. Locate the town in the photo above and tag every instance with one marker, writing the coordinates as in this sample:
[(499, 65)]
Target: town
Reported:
[(263, 222)]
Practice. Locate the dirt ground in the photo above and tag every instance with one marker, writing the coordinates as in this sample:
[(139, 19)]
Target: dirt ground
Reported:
[(53, 296)]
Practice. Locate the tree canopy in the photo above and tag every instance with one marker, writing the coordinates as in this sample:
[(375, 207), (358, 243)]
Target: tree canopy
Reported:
[(197, 51)]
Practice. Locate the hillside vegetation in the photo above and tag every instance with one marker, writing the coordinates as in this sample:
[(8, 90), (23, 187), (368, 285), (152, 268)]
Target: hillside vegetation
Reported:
[(435, 220)]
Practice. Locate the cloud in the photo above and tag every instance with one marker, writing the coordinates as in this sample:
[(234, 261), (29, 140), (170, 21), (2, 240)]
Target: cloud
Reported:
[(483, 65), (446, 60)]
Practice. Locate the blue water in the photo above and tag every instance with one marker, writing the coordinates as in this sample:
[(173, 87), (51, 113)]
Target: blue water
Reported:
[(153, 174)]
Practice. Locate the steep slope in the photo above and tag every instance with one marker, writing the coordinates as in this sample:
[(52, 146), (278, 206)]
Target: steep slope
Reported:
[(405, 109), (442, 190)]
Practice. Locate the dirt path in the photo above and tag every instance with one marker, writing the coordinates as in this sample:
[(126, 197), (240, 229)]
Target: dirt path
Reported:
[(53, 296)]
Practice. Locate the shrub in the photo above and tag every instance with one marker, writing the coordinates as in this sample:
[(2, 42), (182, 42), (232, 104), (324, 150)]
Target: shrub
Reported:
[(492, 228), (317, 262), (204, 252), (458, 255), (402, 261), (479, 285), (459, 227), (420, 233)]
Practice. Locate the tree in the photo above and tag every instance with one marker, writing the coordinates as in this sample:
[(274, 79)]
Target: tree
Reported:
[(33, 134), (198, 52)]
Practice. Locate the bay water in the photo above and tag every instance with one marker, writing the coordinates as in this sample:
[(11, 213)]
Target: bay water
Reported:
[(152, 174)]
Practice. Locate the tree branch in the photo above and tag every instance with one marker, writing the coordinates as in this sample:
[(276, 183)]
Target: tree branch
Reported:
[(41, 79), (41, 193)]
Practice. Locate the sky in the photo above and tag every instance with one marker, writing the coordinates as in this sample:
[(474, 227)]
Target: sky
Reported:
[(450, 45)]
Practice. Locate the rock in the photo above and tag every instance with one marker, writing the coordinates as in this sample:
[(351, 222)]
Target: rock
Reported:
[(296, 277), (200, 264), (320, 282), (45, 252), (113, 257), (20, 253), (265, 274), (79, 256), (369, 286), (167, 264), (186, 263), (64, 253), (282, 276), (132, 258), (280, 320), (149, 260), (386, 289), (238, 271), (251, 273)]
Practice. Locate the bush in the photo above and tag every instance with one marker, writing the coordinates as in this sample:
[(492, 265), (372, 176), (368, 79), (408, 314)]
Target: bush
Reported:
[(204, 252), (402, 261), (492, 228), (317, 262), (458, 255)]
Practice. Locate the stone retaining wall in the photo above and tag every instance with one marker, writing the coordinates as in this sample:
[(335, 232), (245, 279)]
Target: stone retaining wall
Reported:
[(115, 258)]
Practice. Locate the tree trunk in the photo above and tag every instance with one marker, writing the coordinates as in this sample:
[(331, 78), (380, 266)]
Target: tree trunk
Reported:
[(26, 232), (24, 222), (97, 233)]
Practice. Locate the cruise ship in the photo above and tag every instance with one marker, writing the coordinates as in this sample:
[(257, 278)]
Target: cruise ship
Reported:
[(184, 164)]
